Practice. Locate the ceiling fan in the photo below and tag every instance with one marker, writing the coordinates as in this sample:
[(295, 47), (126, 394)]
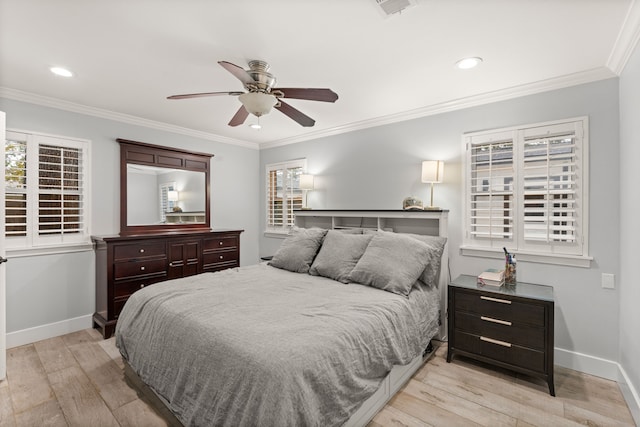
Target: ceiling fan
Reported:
[(261, 96)]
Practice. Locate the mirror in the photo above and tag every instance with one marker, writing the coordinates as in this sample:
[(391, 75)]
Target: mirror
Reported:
[(164, 196), (163, 190)]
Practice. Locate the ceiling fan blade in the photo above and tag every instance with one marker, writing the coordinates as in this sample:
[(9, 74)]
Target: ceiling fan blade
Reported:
[(295, 114), (325, 95), (240, 116), (237, 71), (201, 95)]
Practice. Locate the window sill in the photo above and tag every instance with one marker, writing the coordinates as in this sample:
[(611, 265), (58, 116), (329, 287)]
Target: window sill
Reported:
[(279, 234), (48, 250), (542, 258)]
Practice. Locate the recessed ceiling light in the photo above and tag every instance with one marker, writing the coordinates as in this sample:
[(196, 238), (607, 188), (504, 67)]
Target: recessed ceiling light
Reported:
[(467, 63), (59, 71)]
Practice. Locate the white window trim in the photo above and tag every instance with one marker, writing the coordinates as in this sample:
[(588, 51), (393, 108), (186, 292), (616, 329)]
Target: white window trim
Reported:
[(584, 260), (28, 248), (278, 232)]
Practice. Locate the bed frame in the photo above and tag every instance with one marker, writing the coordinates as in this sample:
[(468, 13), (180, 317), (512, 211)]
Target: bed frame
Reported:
[(432, 222), (416, 222)]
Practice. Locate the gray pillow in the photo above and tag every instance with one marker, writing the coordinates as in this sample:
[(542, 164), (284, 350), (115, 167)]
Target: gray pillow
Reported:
[(339, 254), (299, 248), (392, 262), (431, 274)]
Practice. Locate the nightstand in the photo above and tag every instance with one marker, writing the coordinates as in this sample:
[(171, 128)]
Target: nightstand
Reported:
[(509, 326)]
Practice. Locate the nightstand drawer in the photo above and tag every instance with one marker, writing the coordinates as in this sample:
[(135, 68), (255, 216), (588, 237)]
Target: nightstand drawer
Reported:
[(513, 332), (502, 351), (500, 307)]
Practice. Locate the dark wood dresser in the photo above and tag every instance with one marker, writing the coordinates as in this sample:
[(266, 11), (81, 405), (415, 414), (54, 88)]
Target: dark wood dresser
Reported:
[(125, 264), (509, 326)]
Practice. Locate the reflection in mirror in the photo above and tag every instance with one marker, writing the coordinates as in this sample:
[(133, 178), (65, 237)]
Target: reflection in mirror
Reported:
[(158, 196)]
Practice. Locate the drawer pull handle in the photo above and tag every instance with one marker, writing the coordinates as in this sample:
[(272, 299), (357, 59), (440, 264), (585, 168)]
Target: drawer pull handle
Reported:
[(220, 243), (491, 319), (492, 341), (221, 257), (141, 286), (503, 301), (142, 268), (141, 251)]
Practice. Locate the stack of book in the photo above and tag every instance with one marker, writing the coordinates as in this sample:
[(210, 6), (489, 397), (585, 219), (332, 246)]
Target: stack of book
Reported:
[(491, 277)]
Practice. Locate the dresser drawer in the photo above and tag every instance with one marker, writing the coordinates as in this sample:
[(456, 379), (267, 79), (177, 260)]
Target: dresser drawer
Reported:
[(139, 250), (133, 269), (221, 256), (513, 332), (501, 351), (500, 307), (222, 242), (124, 289)]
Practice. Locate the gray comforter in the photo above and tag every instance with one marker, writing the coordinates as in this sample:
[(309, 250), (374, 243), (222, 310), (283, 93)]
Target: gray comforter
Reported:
[(259, 346)]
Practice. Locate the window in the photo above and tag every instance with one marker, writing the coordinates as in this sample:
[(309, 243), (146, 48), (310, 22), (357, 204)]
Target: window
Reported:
[(526, 190), (46, 202), (283, 193), (167, 203)]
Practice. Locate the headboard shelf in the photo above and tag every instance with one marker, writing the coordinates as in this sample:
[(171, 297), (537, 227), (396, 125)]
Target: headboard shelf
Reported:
[(432, 223)]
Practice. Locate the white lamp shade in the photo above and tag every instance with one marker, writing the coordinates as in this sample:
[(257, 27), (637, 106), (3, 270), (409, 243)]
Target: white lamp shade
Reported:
[(306, 182), (432, 170), (172, 196), (258, 103)]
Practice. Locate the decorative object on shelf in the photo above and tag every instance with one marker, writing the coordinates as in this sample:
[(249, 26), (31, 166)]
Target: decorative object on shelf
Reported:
[(306, 185), (432, 172), (412, 204), (509, 267)]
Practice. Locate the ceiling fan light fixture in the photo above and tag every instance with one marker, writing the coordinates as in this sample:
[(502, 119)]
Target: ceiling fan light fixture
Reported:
[(258, 103)]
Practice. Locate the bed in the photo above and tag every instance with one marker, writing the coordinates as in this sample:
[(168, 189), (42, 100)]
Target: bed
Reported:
[(302, 340)]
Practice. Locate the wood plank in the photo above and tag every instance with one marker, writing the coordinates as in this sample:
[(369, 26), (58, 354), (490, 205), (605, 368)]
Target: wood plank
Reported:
[(79, 400), (428, 412), (47, 414), (140, 413), (392, 417), (54, 354), (590, 418), (27, 379), (478, 413), (6, 408)]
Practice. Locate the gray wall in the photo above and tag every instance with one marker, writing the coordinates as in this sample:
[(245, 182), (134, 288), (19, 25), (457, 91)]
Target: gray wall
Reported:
[(54, 288), (377, 167), (629, 208)]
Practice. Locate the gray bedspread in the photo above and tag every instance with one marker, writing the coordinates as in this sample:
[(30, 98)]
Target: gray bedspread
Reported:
[(260, 346)]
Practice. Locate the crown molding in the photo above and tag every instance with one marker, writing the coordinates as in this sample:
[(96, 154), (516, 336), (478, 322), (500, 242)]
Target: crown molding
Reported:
[(627, 40), (45, 101), (561, 82)]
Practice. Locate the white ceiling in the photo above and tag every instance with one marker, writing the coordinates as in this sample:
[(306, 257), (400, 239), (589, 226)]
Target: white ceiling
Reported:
[(128, 56)]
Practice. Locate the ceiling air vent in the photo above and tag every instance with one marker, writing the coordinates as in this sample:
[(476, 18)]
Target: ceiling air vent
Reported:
[(391, 7)]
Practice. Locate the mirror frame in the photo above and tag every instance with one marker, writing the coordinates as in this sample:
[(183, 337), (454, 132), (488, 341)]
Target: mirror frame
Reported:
[(140, 153)]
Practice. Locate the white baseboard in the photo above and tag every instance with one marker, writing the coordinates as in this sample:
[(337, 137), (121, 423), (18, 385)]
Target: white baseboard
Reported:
[(605, 369), (43, 332)]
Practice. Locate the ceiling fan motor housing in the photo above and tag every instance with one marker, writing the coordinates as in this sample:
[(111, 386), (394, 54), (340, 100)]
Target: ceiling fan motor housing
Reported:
[(264, 81)]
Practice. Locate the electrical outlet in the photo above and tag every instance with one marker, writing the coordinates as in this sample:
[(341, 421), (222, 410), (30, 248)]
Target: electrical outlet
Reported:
[(608, 281)]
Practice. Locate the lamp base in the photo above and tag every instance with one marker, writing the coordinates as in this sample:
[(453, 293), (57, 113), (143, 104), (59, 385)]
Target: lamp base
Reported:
[(305, 209), (431, 208)]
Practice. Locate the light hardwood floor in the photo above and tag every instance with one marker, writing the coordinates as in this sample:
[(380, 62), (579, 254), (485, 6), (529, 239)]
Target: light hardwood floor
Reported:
[(78, 380)]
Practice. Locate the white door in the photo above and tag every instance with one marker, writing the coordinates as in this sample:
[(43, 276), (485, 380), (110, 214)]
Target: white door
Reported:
[(3, 299)]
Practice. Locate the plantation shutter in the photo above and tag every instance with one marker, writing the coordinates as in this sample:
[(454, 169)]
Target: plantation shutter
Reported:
[(15, 169), (526, 189), (60, 185), (491, 196), (283, 193)]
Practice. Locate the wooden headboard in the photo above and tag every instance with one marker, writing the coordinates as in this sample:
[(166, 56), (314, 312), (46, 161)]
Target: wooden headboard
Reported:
[(431, 223)]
